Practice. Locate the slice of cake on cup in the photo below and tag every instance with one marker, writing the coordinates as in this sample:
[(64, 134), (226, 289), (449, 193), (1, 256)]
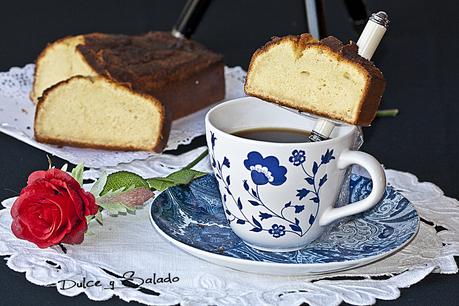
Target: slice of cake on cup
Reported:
[(326, 78)]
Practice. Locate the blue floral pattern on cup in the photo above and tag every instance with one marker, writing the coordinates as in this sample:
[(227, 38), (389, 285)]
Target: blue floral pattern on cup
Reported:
[(313, 189), (298, 157), (268, 170), (277, 230), (265, 170)]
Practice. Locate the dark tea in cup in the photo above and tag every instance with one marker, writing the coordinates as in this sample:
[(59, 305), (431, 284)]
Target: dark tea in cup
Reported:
[(280, 135)]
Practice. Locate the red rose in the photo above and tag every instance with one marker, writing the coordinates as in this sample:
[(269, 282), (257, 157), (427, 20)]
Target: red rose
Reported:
[(51, 209)]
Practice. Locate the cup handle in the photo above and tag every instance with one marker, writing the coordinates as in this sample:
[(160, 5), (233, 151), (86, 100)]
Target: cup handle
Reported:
[(378, 177)]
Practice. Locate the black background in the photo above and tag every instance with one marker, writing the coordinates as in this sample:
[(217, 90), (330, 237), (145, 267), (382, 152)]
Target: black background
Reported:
[(418, 56)]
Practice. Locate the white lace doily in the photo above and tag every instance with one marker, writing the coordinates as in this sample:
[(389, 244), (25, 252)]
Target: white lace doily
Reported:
[(17, 116), (129, 243)]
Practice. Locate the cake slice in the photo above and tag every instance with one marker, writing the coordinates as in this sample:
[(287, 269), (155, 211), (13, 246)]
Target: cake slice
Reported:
[(59, 61), (96, 112), (179, 74), (324, 77)]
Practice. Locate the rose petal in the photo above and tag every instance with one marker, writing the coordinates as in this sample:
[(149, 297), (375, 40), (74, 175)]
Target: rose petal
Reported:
[(37, 226), (69, 217), (76, 200), (31, 217), (91, 207), (59, 175), (56, 220), (35, 176), (77, 234)]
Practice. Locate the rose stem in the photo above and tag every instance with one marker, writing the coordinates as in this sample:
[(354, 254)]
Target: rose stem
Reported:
[(197, 160), (387, 112)]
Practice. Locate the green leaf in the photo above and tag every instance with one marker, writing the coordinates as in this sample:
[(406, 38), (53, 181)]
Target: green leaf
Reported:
[(115, 208), (122, 180), (180, 177), (184, 176), (50, 163), (160, 183), (99, 185), (98, 217), (77, 173), (64, 167)]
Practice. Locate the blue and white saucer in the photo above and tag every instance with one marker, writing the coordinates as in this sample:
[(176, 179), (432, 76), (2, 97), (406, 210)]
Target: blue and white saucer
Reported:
[(192, 218)]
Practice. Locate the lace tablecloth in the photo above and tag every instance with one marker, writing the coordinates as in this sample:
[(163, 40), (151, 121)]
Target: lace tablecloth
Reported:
[(17, 116), (127, 251)]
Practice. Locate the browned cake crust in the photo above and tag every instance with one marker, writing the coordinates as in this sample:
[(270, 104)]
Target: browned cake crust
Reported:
[(181, 73), (348, 52), (158, 146)]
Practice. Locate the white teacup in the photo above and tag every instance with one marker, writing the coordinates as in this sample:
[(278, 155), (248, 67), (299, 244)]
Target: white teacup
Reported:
[(281, 196)]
